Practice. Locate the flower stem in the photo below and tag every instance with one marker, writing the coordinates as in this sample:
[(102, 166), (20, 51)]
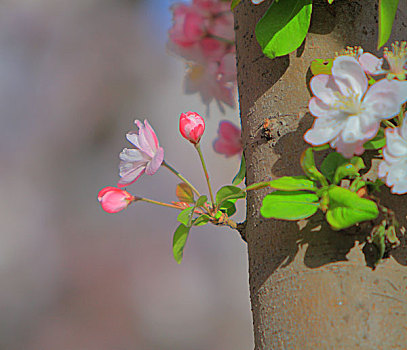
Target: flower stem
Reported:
[(157, 202), (170, 168), (198, 148)]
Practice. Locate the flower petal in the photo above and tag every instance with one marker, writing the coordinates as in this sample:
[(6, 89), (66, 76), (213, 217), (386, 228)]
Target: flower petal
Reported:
[(396, 146), (133, 155), (151, 136), (371, 64), (130, 172), (320, 109), (348, 150), (359, 127), (349, 76), (323, 130), (384, 98), (156, 162), (323, 86), (145, 141)]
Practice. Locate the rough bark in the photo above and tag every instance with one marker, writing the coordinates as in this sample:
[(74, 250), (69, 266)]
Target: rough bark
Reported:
[(311, 289)]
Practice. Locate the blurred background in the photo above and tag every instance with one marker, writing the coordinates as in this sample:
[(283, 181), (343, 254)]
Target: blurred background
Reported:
[(73, 77)]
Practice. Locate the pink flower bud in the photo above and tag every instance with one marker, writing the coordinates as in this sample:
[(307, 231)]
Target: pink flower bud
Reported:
[(114, 199), (191, 126)]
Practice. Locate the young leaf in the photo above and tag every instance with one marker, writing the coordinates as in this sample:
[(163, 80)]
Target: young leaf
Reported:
[(293, 183), (229, 192), (321, 66), (346, 208), (201, 220), (331, 163), (228, 207), (308, 165), (294, 205), (283, 27), (378, 142), (234, 4), (185, 216), (387, 12), (241, 174), (184, 193), (201, 201), (178, 242), (349, 169)]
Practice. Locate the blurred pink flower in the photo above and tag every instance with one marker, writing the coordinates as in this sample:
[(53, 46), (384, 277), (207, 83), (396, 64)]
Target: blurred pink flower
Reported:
[(191, 126), (146, 157), (347, 112), (203, 34), (393, 168), (209, 81), (229, 140), (189, 24), (114, 199)]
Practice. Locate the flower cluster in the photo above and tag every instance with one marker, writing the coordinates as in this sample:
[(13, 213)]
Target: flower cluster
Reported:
[(203, 34), (146, 157), (350, 107)]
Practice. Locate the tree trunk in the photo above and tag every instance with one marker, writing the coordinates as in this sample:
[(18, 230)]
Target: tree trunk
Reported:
[(311, 288)]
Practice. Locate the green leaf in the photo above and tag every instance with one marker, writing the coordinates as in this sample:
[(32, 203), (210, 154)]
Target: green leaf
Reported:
[(234, 4), (241, 174), (228, 207), (184, 193), (387, 12), (201, 220), (331, 163), (357, 184), (321, 66), (346, 208), (201, 201), (185, 216), (293, 183), (294, 205), (349, 169), (229, 192), (178, 242), (258, 185), (378, 142), (330, 2), (308, 165), (283, 27)]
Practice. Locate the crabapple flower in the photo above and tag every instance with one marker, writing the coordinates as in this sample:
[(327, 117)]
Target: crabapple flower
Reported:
[(203, 34), (347, 112), (229, 140), (396, 59), (393, 168), (256, 2), (188, 25), (209, 81), (191, 126), (114, 199), (145, 158)]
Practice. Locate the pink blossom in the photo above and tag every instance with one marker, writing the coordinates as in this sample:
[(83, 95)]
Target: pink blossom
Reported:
[(114, 199), (189, 25), (396, 59), (191, 126), (393, 168), (146, 157), (203, 34), (211, 84), (347, 112), (229, 140)]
